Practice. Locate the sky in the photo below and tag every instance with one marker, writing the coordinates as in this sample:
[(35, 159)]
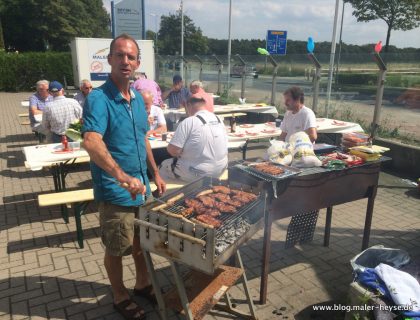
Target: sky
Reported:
[(301, 18)]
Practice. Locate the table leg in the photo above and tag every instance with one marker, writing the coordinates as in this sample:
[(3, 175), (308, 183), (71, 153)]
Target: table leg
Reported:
[(369, 216), (266, 257), (328, 227), (243, 148)]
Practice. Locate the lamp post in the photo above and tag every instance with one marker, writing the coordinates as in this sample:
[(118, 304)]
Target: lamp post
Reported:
[(156, 31)]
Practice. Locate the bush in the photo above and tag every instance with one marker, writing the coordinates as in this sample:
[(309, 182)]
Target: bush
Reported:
[(21, 71), (357, 78)]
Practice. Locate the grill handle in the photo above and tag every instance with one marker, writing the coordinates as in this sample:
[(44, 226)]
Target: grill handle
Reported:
[(150, 225), (187, 237), (173, 232)]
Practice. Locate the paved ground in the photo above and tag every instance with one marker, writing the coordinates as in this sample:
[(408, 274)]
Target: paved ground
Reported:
[(43, 274)]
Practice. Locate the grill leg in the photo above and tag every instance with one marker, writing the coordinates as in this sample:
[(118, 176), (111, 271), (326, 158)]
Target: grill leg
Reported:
[(181, 290), (246, 288), (328, 227), (155, 283)]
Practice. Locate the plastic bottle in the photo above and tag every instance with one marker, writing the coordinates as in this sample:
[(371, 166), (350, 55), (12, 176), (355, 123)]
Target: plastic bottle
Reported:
[(65, 143), (233, 124)]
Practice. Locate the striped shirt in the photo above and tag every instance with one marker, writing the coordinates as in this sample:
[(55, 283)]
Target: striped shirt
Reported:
[(60, 113), (178, 99)]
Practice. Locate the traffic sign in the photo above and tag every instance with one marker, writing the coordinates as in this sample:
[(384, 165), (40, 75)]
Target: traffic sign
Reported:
[(276, 42)]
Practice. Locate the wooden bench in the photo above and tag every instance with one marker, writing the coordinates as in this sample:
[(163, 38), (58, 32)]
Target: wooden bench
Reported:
[(24, 119), (79, 199)]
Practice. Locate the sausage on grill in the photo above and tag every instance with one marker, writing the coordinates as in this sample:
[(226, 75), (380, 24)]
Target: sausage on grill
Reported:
[(221, 189)]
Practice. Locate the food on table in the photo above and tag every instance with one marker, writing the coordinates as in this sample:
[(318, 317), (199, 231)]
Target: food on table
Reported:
[(246, 125), (268, 168)]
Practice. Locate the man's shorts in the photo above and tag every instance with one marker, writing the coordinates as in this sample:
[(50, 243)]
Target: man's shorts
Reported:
[(117, 228)]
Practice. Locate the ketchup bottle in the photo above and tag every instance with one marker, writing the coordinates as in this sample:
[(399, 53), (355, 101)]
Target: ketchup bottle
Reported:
[(65, 143)]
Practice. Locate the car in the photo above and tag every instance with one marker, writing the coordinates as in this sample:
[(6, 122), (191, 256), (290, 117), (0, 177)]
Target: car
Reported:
[(237, 70)]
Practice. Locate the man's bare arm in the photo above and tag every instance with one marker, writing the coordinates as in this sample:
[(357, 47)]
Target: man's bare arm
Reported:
[(174, 151), (98, 152), (312, 134), (283, 136), (151, 164), (34, 110)]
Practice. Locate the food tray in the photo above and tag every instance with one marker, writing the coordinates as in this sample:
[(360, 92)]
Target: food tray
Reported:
[(248, 168)]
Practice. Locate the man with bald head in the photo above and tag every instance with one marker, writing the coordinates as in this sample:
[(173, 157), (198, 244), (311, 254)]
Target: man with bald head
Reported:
[(156, 118)]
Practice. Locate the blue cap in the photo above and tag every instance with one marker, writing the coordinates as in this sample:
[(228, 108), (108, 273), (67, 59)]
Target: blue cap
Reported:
[(176, 79), (55, 86)]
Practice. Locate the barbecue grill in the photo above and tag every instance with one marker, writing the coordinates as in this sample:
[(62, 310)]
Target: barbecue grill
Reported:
[(204, 248), (183, 239)]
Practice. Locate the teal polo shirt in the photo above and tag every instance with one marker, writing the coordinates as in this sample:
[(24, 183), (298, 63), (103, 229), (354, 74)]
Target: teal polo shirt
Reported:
[(123, 127)]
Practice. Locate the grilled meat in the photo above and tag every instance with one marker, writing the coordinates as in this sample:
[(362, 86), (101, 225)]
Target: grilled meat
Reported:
[(226, 199), (195, 204), (209, 220), (208, 211), (221, 189), (269, 169), (242, 196), (222, 197), (207, 201), (223, 207), (186, 212)]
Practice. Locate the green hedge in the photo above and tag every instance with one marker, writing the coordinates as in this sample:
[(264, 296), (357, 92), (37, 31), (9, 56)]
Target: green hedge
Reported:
[(357, 78), (21, 71)]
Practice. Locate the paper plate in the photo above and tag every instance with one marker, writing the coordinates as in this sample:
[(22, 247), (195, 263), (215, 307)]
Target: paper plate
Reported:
[(246, 126)]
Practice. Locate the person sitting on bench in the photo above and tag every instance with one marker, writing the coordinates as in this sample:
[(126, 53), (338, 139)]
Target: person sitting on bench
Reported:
[(199, 145)]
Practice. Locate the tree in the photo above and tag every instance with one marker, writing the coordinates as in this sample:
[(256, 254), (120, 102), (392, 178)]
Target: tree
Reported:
[(397, 14), (39, 25), (169, 36), (1, 37)]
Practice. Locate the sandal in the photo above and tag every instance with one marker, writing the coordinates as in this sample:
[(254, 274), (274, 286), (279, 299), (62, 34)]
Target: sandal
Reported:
[(135, 313), (146, 293)]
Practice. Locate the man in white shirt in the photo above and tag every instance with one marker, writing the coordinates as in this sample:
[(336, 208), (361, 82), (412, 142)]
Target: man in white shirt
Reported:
[(155, 114), (199, 145), (297, 117)]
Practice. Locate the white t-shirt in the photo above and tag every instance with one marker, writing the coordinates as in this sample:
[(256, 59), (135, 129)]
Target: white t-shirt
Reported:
[(300, 121), (205, 147), (158, 117)]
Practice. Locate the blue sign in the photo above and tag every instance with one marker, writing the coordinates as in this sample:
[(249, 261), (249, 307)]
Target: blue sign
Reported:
[(276, 42)]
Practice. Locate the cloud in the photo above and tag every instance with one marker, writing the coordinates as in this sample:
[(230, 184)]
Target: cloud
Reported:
[(301, 18)]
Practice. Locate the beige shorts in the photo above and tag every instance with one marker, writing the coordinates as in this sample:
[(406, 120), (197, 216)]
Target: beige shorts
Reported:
[(117, 228)]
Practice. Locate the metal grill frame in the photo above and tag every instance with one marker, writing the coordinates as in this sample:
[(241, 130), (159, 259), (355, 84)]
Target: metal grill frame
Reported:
[(193, 244)]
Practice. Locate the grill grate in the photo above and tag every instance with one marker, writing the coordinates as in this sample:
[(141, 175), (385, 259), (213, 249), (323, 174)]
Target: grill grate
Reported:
[(288, 172), (227, 219)]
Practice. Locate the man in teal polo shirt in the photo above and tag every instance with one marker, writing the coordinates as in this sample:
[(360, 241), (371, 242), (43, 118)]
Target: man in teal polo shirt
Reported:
[(114, 132)]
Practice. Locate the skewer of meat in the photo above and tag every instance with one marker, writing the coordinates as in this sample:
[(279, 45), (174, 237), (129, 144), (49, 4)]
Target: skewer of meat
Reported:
[(209, 220), (221, 189)]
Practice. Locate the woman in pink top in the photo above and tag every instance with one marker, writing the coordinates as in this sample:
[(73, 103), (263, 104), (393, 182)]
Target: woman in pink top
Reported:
[(197, 91)]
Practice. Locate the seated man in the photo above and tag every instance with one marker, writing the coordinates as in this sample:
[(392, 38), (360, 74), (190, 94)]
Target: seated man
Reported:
[(199, 145), (144, 84), (197, 91), (60, 113), (85, 89), (37, 103), (155, 114), (297, 117), (178, 95)]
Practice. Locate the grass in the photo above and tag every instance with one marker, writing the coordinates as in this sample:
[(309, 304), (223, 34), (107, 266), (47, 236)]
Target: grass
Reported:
[(386, 129)]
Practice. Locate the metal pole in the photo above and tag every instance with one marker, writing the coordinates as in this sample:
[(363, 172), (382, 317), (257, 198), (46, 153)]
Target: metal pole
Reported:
[(340, 44), (229, 46), (333, 43), (182, 40)]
